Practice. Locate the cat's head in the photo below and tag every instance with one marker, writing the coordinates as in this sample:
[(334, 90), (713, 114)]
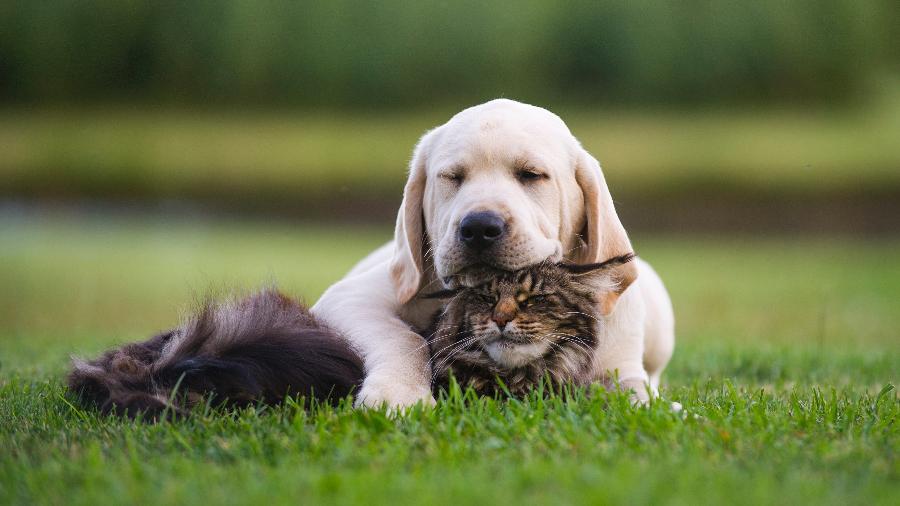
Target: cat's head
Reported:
[(518, 317)]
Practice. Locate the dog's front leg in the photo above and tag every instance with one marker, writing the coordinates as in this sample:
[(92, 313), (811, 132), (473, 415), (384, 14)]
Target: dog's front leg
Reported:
[(364, 308), (620, 349), (628, 375)]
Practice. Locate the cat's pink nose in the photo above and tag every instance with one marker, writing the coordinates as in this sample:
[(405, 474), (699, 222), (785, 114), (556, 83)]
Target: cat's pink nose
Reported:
[(500, 320)]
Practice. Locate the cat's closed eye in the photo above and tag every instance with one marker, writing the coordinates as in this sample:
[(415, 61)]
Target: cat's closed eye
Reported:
[(489, 298), (537, 298)]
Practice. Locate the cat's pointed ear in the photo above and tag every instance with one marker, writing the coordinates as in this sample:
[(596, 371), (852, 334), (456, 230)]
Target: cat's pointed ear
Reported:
[(608, 279)]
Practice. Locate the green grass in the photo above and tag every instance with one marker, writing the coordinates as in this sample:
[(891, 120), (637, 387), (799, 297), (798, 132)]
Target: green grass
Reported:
[(785, 350), (284, 157)]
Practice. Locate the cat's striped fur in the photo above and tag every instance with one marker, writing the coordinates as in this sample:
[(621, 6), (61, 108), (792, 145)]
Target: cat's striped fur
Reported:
[(521, 327)]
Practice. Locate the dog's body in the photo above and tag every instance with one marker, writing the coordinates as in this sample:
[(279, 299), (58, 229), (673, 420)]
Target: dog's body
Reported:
[(506, 185)]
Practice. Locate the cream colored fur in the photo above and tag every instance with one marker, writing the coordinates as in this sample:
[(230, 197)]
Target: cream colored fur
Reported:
[(569, 214)]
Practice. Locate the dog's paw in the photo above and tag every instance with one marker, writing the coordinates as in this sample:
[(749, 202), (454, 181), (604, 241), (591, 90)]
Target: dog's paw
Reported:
[(378, 391), (638, 393)]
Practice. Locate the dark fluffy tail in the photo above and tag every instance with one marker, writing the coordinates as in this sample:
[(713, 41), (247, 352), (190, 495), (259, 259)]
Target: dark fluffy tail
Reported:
[(258, 349)]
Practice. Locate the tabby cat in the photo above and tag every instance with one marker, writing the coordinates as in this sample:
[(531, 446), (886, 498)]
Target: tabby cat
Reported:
[(520, 327)]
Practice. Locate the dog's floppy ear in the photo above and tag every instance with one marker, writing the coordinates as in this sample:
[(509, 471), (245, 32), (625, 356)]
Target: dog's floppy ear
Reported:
[(604, 234), (407, 265)]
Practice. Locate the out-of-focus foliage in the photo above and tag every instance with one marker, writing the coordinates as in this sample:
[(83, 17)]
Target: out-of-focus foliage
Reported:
[(397, 52), (299, 160)]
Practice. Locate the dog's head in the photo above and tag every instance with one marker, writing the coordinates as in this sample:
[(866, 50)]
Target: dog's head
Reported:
[(502, 185)]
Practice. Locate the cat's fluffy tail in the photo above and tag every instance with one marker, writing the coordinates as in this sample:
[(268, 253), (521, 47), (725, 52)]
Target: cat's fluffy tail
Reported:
[(258, 349)]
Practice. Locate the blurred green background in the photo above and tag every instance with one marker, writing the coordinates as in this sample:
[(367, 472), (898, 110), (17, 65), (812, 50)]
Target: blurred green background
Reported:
[(153, 151), (394, 53), (747, 108)]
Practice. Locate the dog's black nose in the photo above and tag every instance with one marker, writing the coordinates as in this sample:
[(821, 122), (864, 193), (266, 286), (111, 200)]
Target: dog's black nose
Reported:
[(480, 230)]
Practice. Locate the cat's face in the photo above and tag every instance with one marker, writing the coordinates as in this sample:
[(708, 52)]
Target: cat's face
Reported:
[(516, 318)]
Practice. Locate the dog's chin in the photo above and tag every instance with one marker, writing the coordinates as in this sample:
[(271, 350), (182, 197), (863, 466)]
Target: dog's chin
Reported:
[(472, 275), (479, 271), (461, 270)]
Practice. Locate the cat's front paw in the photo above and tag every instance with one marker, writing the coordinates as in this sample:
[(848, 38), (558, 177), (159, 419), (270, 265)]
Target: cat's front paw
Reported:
[(378, 391)]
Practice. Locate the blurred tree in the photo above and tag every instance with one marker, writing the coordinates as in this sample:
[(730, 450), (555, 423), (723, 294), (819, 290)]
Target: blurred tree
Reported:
[(396, 52)]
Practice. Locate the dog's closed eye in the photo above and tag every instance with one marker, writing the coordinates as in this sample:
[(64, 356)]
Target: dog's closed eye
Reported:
[(531, 175), (455, 175)]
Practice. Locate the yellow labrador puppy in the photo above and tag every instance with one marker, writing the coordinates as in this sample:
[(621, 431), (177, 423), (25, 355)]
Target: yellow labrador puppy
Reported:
[(505, 185)]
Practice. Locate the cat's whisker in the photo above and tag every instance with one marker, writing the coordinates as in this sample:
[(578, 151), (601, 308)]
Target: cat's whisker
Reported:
[(573, 249), (551, 343), (575, 341), (456, 349), (428, 342), (452, 300), (447, 361), (444, 336), (438, 353), (445, 327), (585, 314), (570, 338), (458, 344), (437, 338), (429, 284)]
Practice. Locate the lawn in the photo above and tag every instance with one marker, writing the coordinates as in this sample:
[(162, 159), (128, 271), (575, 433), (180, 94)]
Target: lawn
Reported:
[(787, 348)]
